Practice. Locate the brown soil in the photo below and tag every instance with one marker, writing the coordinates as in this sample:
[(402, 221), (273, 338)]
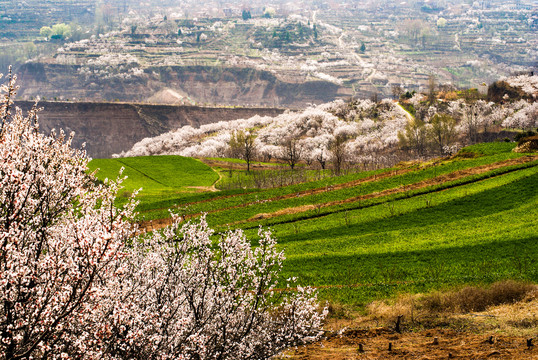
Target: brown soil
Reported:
[(450, 344), (500, 332), (151, 225), (203, 188), (286, 211), (116, 127)]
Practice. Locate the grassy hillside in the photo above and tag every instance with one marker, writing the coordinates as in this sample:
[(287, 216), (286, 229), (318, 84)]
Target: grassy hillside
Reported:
[(159, 177), (470, 219)]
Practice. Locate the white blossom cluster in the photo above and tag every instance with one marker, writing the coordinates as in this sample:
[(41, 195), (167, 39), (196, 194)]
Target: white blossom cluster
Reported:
[(368, 129), (527, 83), (121, 66), (113, 60), (109, 72), (328, 78), (103, 44), (524, 118), (209, 140), (77, 283)]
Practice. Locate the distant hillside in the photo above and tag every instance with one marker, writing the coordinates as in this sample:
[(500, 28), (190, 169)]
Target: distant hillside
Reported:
[(109, 128), (202, 84)]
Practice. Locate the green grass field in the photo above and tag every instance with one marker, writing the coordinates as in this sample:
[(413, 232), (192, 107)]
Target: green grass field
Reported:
[(162, 179), (470, 219)]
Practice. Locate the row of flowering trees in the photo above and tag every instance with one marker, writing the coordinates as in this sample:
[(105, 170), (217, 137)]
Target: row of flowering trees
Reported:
[(442, 124), (362, 129), (76, 282), (356, 131)]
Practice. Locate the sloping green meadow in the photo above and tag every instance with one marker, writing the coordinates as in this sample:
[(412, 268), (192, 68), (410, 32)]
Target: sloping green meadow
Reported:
[(160, 178), (477, 233), (154, 173), (471, 219)]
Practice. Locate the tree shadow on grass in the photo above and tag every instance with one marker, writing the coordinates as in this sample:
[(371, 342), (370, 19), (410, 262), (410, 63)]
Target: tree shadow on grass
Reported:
[(488, 202)]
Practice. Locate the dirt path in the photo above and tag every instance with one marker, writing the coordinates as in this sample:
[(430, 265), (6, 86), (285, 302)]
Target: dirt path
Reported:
[(409, 117), (211, 188)]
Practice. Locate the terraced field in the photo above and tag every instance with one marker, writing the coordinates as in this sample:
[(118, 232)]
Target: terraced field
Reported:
[(470, 219)]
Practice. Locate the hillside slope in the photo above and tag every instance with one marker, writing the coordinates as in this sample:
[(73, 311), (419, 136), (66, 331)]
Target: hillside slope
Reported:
[(203, 84), (468, 219), (110, 128)]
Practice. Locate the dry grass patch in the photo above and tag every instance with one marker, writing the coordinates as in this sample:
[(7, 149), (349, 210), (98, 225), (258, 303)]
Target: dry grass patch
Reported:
[(472, 298), (517, 319), (508, 305)]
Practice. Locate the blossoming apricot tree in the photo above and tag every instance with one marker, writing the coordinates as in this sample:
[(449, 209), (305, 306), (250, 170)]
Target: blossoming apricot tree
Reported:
[(75, 281)]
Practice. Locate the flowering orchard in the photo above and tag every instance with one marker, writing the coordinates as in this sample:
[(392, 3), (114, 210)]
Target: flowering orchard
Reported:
[(356, 131), (75, 282), (366, 128)]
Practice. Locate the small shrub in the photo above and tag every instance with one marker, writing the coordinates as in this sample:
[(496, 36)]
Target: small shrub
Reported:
[(521, 137), (528, 144)]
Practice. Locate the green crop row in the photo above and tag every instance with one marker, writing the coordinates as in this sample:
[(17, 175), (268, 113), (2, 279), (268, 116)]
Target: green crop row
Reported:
[(257, 200)]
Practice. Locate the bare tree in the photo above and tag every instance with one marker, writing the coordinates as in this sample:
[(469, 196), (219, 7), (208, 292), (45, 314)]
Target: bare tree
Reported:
[(431, 89), (397, 91), (470, 121), (414, 137), (291, 152), (442, 131), (339, 153), (242, 145), (322, 159)]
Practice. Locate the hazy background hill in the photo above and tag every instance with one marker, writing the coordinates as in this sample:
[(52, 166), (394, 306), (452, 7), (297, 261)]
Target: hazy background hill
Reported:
[(259, 54)]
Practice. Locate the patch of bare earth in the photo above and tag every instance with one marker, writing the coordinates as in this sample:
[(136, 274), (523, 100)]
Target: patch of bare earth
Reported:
[(152, 225), (426, 344), (211, 188), (286, 211), (505, 331)]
